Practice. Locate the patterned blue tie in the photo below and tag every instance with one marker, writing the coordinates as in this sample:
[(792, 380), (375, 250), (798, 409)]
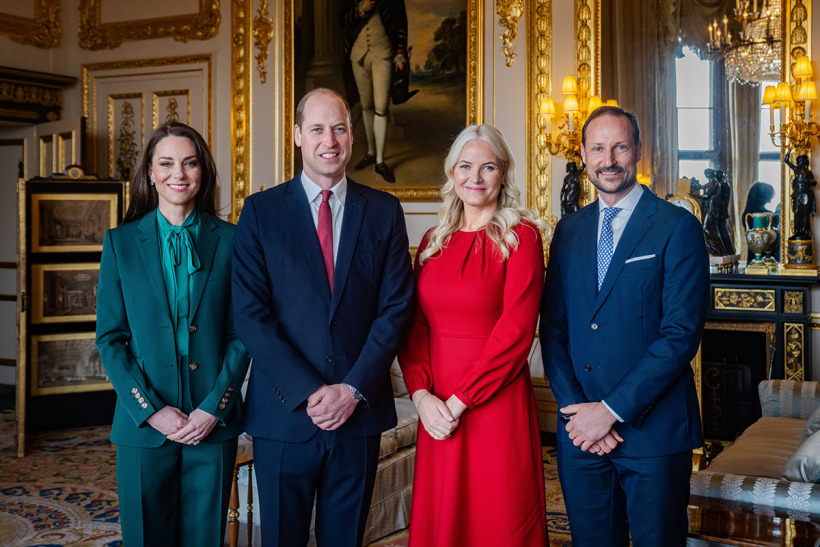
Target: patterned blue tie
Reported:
[(606, 245)]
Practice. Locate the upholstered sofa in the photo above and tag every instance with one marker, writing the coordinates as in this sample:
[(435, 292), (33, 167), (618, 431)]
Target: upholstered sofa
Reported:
[(775, 463), (390, 506)]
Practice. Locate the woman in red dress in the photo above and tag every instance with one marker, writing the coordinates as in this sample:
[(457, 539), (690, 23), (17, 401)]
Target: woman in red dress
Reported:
[(479, 476)]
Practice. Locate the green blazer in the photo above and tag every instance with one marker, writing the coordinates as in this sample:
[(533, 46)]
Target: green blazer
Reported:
[(135, 334)]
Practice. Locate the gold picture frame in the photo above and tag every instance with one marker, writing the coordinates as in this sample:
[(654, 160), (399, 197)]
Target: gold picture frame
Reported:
[(66, 363), (64, 293), (414, 190), (94, 34), (69, 223), (42, 30)]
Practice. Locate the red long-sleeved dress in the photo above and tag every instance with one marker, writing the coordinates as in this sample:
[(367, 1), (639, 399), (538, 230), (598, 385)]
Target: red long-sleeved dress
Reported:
[(473, 328)]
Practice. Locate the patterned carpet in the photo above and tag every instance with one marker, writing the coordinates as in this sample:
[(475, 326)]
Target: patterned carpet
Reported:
[(64, 492)]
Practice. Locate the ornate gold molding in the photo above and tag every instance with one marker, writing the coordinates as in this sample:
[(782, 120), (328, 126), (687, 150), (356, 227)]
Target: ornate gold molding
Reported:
[(171, 109), (89, 88), (744, 299), (587, 67), (793, 301), (796, 31), (539, 84), (509, 12), (43, 30), (94, 34), (126, 143), (240, 113), (794, 351), (262, 36)]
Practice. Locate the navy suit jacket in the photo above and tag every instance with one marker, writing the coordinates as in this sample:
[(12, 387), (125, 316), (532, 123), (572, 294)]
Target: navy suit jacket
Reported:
[(299, 335), (631, 343)]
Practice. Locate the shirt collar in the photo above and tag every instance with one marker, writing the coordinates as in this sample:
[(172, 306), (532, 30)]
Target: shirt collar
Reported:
[(313, 190), (628, 202)]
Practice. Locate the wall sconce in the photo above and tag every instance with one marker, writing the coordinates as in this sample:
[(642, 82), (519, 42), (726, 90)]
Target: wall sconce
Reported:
[(795, 129), (567, 140)]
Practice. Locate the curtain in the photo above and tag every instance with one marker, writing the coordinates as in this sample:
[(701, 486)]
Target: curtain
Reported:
[(638, 69), (744, 120)]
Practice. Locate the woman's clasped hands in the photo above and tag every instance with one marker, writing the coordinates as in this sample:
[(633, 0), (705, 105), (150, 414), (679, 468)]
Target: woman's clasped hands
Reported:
[(439, 418)]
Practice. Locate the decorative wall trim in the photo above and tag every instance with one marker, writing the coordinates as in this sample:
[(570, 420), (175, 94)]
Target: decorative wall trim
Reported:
[(94, 34), (43, 30), (262, 36), (241, 50), (171, 106), (539, 87), (95, 74), (124, 142), (509, 12), (31, 97)]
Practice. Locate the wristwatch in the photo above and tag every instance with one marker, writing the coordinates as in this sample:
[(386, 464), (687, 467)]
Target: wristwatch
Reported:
[(356, 393)]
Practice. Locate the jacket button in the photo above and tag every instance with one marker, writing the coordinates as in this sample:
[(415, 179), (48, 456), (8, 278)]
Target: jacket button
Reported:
[(221, 406), (193, 366), (192, 328), (594, 326), (328, 359), (134, 390), (587, 368), (333, 323), (144, 405)]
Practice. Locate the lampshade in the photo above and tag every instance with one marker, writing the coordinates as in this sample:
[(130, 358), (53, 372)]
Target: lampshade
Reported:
[(594, 102), (571, 103), (807, 91), (783, 94), (768, 95), (802, 68), (570, 86), (547, 108)]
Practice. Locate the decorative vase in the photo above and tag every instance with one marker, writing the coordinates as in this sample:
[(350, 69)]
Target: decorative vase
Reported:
[(759, 237)]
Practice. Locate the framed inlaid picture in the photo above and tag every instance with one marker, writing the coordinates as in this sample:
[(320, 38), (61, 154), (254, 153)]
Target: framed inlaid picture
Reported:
[(64, 293), (67, 223), (431, 98), (66, 363)]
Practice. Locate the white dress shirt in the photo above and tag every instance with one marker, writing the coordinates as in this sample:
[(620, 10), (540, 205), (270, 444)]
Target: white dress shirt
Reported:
[(619, 221), (337, 206)]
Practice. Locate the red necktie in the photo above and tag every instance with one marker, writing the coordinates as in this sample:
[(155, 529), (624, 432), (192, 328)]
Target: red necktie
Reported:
[(325, 231)]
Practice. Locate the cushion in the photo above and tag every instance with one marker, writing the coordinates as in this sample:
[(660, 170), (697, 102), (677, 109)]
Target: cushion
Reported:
[(804, 466), (788, 398), (812, 426), (762, 450), (396, 376)]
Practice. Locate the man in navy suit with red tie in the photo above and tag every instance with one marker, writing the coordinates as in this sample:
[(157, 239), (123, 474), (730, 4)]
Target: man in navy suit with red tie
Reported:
[(625, 301), (321, 293)]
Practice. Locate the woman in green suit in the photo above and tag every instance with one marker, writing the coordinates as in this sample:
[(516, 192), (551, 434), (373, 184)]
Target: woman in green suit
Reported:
[(167, 341)]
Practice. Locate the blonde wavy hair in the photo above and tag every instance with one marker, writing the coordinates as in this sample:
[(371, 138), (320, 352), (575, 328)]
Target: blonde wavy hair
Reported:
[(509, 212)]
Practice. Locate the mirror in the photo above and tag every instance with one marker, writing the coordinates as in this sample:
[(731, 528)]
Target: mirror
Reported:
[(719, 123)]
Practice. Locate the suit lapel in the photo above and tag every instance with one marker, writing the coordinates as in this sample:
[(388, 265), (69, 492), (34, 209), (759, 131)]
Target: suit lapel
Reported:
[(638, 225), (206, 242), (148, 242), (351, 224), (304, 231)]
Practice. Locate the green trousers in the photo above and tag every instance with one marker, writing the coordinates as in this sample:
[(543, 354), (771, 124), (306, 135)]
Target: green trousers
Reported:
[(175, 495)]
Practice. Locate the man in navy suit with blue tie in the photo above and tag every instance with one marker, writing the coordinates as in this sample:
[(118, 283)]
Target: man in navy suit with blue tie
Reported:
[(625, 301), (321, 293)]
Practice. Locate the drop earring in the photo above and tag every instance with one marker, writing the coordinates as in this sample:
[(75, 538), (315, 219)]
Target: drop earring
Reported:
[(151, 182)]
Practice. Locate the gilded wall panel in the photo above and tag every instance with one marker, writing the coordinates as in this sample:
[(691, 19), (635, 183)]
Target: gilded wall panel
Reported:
[(169, 88), (95, 34), (43, 29)]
